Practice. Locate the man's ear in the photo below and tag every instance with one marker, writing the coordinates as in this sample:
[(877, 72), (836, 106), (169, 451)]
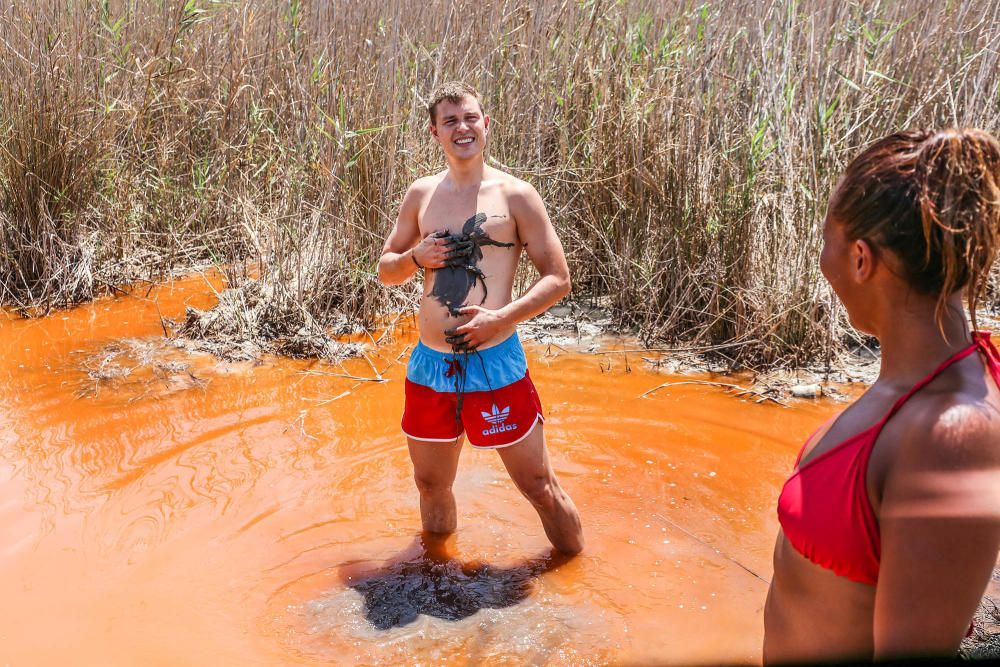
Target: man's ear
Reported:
[(865, 260), (434, 131), (486, 122)]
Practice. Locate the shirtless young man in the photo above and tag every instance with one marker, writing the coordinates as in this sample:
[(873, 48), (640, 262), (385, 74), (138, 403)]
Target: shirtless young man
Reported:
[(466, 227)]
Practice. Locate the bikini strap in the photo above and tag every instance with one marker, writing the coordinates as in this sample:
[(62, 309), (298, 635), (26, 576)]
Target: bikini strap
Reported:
[(955, 358), (980, 343), (802, 450), (989, 352)]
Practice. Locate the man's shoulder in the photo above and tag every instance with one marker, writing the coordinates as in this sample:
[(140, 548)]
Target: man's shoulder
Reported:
[(425, 184), (511, 185)]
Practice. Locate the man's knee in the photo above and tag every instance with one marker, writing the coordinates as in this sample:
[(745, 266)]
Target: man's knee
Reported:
[(431, 484), (541, 491)]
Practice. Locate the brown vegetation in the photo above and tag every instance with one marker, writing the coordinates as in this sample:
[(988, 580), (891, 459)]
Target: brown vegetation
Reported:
[(984, 643), (686, 150)]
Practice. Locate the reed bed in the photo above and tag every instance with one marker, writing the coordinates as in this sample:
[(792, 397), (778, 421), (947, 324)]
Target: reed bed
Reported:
[(685, 149)]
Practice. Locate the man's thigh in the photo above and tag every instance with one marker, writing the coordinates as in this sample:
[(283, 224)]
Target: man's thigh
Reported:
[(527, 462), (435, 463)]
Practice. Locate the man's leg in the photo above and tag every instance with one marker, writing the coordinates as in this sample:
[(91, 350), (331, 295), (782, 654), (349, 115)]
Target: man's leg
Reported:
[(527, 462), (434, 468)]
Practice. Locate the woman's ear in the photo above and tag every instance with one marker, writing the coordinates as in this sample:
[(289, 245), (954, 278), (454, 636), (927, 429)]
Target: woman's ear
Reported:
[(865, 260)]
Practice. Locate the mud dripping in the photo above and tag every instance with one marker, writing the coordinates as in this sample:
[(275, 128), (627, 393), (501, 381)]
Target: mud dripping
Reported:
[(155, 502)]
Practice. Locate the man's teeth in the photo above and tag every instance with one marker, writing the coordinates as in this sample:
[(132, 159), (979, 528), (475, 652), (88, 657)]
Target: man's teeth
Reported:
[(466, 140)]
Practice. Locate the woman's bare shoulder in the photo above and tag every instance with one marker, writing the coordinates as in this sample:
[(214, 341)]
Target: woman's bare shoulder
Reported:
[(955, 429)]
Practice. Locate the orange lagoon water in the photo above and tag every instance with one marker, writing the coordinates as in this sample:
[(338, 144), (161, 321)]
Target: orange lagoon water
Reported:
[(163, 508)]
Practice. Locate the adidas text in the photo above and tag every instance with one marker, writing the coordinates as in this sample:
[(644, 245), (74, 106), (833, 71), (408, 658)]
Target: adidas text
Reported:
[(500, 428)]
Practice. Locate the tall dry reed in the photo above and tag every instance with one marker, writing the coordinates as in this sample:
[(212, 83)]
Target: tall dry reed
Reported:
[(685, 149)]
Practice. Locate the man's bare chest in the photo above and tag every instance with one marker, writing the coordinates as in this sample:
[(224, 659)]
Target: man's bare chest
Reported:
[(485, 220), (482, 244)]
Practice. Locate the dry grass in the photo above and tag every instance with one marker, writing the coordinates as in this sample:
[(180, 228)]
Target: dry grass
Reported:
[(686, 150), (985, 640)]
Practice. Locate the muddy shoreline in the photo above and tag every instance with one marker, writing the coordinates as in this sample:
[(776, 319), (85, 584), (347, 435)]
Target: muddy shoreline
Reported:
[(247, 324), (584, 328)]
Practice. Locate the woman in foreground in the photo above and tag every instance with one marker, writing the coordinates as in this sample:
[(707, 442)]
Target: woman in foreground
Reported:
[(890, 523)]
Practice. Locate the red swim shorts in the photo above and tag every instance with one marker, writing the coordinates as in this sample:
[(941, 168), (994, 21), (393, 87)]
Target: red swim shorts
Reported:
[(490, 419)]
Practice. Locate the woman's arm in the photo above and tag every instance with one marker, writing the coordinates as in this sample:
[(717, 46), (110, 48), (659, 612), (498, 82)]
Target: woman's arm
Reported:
[(940, 527)]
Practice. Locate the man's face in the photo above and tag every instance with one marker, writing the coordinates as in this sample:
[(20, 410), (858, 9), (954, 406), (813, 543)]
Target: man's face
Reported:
[(461, 128)]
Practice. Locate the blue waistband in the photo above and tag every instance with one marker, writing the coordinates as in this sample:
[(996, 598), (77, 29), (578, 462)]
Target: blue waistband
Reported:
[(484, 370)]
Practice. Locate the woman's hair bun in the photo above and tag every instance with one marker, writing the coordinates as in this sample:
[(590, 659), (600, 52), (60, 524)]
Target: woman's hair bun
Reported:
[(933, 199)]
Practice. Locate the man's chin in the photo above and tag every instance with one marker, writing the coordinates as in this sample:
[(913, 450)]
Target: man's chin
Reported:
[(465, 156)]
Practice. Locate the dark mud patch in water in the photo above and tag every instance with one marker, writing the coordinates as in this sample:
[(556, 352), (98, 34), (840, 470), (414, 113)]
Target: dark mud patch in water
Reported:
[(433, 583), (448, 608)]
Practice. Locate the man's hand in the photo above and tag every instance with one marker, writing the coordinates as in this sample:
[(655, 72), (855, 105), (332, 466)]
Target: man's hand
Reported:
[(484, 325), (440, 249)]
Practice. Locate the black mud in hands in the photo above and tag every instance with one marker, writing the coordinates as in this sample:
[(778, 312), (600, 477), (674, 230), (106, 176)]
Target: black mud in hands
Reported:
[(452, 283)]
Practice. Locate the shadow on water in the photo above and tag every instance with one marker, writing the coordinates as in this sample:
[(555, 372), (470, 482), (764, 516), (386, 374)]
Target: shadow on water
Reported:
[(434, 582)]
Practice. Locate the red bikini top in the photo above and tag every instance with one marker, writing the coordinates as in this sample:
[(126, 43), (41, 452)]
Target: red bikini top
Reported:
[(824, 508)]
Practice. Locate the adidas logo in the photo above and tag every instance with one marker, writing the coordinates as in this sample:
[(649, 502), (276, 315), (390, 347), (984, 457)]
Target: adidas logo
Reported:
[(497, 417)]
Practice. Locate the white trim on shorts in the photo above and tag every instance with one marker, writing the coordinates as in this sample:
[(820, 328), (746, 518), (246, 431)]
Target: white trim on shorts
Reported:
[(413, 437)]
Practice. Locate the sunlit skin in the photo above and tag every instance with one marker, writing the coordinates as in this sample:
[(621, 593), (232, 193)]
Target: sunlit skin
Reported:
[(933, 482), (441, 203)]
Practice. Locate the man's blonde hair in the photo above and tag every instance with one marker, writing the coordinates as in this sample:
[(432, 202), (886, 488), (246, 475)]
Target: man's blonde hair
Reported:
[(453, 91)]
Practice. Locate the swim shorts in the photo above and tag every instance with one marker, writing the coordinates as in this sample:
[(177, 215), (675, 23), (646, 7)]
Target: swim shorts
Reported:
[(486, 394)]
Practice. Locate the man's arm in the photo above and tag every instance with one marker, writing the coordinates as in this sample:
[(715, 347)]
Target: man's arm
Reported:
[(545, 251), (940, 527), (404, 251)]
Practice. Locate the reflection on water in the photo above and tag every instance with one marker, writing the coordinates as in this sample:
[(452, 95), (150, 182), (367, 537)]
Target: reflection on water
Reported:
[(435, 583), (159, 503)]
